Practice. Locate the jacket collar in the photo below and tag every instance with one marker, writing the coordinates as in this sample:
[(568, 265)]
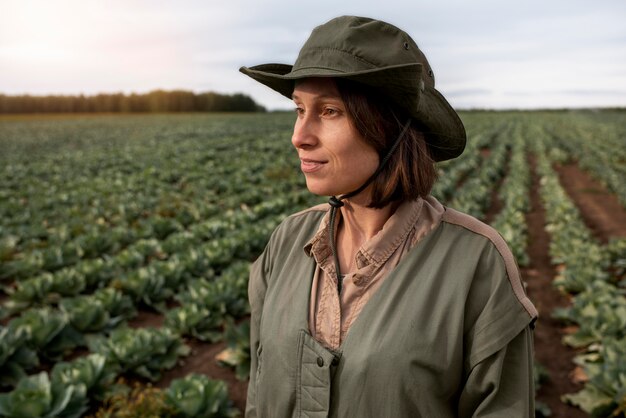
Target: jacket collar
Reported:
[(423, 214)]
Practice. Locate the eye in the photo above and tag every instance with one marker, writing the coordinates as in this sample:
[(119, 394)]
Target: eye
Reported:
[(330, 111), (299, 111)]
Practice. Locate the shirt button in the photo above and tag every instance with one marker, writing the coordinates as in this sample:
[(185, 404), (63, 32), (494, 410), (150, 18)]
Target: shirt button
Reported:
[(320, 362)]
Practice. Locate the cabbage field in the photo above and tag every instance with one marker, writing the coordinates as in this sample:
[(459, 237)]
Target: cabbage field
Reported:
[(125, 244)]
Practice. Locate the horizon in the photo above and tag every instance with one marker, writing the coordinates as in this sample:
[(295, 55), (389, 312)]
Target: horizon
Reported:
[(286, 110)]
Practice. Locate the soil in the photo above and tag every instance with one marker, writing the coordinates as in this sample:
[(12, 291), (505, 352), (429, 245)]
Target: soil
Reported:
[(550, 352), (147, 319), (601, 210)]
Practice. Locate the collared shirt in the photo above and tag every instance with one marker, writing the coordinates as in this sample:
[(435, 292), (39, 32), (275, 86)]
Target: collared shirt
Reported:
[(331, 314)]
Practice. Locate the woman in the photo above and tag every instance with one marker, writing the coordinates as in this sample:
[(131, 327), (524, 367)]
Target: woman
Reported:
[(383, 303)]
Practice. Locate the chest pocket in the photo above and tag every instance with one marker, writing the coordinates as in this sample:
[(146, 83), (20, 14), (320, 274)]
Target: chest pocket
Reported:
[(316, 366)]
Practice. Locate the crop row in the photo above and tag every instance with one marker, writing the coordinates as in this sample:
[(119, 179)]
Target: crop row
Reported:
[(599, 148), (598, 306), (510, 222), (451, 174)]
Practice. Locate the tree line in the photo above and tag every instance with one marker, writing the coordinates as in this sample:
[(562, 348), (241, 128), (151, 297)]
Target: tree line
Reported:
[(154, 101)]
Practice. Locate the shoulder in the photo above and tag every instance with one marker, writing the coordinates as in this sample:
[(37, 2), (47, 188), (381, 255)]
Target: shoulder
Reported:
[(317, 210), (312, 215), (466, 224), (299, 227), (477, 227), (287, 240)]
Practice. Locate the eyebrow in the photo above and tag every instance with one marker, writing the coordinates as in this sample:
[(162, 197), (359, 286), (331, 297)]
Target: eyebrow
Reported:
[(321, 96)]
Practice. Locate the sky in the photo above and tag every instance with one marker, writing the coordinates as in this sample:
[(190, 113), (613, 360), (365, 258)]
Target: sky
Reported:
[(495, 54)]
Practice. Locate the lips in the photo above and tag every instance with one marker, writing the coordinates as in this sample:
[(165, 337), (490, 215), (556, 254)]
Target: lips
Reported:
[(308, 165)]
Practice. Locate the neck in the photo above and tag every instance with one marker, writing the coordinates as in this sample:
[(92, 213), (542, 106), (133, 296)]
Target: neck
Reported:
[(358, 224)]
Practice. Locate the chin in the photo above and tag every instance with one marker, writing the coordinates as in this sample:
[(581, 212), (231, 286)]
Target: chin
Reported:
[(324, 189), (319, 192), (319, 189)]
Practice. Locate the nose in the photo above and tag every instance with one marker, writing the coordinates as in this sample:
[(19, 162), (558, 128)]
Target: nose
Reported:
[(304, 133)]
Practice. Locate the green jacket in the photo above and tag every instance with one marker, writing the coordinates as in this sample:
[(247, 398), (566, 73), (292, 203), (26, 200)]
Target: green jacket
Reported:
[(446, 335)]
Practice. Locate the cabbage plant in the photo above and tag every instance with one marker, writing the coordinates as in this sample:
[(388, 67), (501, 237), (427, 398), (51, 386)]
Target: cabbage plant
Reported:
[(142, 351), (195, 321), (197, 396), (21, 267), (237, 353), (88, 376), (148, 286), (600, 312), (102, 310), (47, 331), (36, 397), (15, 357), (86, 314), (90, 371), (225, 295), (116, 303), (604, 395), (29, 291)]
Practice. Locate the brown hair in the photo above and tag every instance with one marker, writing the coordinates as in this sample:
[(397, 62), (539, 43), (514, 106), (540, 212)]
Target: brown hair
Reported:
[(410, 171)]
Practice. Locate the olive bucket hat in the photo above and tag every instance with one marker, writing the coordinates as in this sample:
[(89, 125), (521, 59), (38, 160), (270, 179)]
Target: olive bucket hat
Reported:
[(383, 57)]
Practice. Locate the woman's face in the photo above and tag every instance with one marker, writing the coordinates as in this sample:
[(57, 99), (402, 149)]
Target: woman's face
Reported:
[(334, 157)]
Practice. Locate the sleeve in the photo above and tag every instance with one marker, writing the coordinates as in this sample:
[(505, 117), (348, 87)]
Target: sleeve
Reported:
[(502, 384), (257, 287), (498, 344)]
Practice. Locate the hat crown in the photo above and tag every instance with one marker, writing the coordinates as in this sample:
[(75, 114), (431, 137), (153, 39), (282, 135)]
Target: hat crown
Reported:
[(350, 43), (379, 56)]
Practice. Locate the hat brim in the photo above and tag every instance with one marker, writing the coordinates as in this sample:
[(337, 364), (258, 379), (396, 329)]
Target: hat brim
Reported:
[(444, 130)]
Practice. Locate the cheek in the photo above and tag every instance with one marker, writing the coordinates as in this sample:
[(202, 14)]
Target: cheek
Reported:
[(366, 163), (354, 167), (364, 156), (350, 155), (355, 150)]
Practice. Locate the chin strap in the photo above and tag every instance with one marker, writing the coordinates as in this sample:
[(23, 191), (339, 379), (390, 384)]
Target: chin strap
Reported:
[(336, 202)]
